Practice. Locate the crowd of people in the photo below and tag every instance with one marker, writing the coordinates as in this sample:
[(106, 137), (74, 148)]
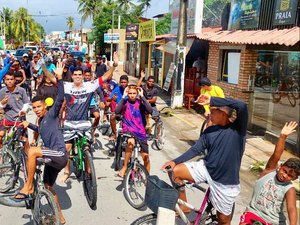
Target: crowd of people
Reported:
[(67, 92)]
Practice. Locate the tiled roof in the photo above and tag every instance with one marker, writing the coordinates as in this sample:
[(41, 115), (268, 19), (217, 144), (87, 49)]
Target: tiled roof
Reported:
[(288, 37)]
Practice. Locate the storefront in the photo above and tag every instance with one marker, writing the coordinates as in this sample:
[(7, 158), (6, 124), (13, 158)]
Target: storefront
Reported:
[(262, 69)]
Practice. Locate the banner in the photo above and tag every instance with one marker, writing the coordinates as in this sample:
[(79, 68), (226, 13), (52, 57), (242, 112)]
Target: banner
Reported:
[(169, 77), (147, 31), (285, 12), (132, 32), (111, 38), (244, 14)]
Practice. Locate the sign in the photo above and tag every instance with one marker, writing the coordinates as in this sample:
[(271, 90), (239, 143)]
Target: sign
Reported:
[(147, 31), (169, 77), (132, 32), (244, 14), (194, 16), (285, 12), (111, 38)]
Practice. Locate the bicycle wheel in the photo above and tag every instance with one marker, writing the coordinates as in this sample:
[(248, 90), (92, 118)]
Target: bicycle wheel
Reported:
[(89, 179), (7, 172), (150, 219), (292, 99), (45, 210), (118, 153), (159, 138), (276, 95), (8, 156), (135, 186), (295, 92)]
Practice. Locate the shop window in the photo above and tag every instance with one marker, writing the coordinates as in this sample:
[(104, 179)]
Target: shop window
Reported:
[(230, 66)]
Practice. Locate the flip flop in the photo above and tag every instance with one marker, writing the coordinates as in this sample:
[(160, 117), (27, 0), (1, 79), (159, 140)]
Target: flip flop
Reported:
[(118, 175), (23, 197)]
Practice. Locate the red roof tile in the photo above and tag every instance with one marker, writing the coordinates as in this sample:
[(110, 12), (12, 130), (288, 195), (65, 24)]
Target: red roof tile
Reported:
[(288, 37)]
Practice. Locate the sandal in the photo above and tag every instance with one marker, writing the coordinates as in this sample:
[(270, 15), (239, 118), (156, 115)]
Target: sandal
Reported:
[(65, 177), (22, 197)]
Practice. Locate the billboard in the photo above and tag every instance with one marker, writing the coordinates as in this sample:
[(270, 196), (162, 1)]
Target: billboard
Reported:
[(147, 31), (111, 38), (244, 14), (194, 16), (132, 32), (285, 12)]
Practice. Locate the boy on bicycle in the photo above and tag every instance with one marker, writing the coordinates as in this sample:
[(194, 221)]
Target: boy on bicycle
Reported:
[(274, 186), (225, 144), (54, 145)]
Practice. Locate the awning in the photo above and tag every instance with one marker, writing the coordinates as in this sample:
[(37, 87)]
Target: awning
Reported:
[(288, 37), (170, 47)]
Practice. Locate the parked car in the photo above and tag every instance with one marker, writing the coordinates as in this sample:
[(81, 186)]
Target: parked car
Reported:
[(33, 48), (20, 52), (77, 54), (55, 49)]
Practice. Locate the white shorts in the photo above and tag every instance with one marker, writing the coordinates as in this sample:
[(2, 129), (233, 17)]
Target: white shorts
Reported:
[(221, 196), (70, 133)]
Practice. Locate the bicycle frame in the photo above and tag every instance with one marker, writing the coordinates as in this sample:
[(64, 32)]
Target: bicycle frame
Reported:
[(79, 144)]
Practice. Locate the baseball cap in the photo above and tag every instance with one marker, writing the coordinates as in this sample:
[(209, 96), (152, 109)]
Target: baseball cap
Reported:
[(25, 55), (231, 113)]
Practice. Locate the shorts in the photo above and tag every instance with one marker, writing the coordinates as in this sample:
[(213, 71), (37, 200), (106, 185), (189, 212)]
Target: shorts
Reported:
[(221, 196), (249, 217), (58, 162), (69, 132)]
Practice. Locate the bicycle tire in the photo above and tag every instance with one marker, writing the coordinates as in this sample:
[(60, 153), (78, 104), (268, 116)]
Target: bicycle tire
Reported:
[(146, 220), (89, 180), (292, 99), (135, 186), (295, 92), (7, 172), (42, 216), (159, 135), (118, 153), (8, 156)]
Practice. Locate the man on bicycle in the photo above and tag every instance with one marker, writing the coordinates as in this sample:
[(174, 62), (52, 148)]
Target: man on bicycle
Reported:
[(14, 102), (54, 145), (78, 95), (224, 143)]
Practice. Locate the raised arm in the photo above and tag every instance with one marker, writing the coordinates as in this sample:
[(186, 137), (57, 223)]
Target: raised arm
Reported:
[(6, 68), (287, 130), (139, 83), (48, 74), (108, 74)]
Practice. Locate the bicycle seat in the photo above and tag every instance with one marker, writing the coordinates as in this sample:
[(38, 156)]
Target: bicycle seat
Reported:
[(41, 161)]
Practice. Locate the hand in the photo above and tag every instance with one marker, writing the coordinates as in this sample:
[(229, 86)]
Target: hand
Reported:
[(206, 114), (203, 99), (168, 164), (33, 143), (125, 92), (22, 113), (101, 105), (143, 74), (59, 69), (25, 124), (4, 101), (141, 92), (116, 59), (289, 128), (11, 60)]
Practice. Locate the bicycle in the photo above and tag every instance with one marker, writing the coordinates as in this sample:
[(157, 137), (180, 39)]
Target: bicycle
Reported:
[(83, 165), (135, 178), (41, 202), (167, 197)]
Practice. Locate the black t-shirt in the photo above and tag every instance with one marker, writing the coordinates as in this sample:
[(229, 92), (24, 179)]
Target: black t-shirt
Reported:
[(150, 93), (47, 91), (101, 69)]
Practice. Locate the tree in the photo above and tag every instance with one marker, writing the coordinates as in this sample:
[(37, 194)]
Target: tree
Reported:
[(8, 13), (126, 5), (20, 24), (88, 8), (163, 26), (70, 22)]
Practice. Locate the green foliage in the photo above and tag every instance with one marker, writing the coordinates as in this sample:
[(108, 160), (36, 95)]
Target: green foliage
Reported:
[(163, 26), (258, 166), (70, 22)]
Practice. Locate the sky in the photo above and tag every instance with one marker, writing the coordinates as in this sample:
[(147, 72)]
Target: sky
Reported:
[(58, 10)]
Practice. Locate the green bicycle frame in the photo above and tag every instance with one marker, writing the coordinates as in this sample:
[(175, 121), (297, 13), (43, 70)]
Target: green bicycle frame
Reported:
[(80, 143)]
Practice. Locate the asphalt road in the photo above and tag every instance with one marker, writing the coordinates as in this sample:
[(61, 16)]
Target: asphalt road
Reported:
[(112, 208)]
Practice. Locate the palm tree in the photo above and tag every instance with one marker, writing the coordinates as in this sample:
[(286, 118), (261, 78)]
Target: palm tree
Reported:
[(126, 5), (70, 22), (20, 24), (88, 8), (146, 3), (8, 13)]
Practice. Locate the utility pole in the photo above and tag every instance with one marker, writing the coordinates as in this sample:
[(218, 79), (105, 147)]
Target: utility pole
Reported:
[(178, 78), (112, 31)]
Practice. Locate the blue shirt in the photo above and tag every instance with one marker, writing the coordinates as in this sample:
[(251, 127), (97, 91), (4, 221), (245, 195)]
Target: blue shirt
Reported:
[(118, 91), (5, 68), (225, 145), (51, 68)]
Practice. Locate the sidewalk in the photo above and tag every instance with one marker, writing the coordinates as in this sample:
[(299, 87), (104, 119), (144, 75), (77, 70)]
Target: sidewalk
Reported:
[(256, 150)]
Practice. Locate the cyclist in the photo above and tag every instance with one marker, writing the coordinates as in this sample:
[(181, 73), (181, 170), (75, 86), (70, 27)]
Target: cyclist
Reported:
[(133, 111), (114, 98), (78, 95), (224, 143), (274, 186), (151, 93), (14, 102), (54, 146)]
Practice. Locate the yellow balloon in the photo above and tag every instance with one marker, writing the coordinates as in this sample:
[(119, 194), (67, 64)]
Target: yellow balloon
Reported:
[(49, 101)]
